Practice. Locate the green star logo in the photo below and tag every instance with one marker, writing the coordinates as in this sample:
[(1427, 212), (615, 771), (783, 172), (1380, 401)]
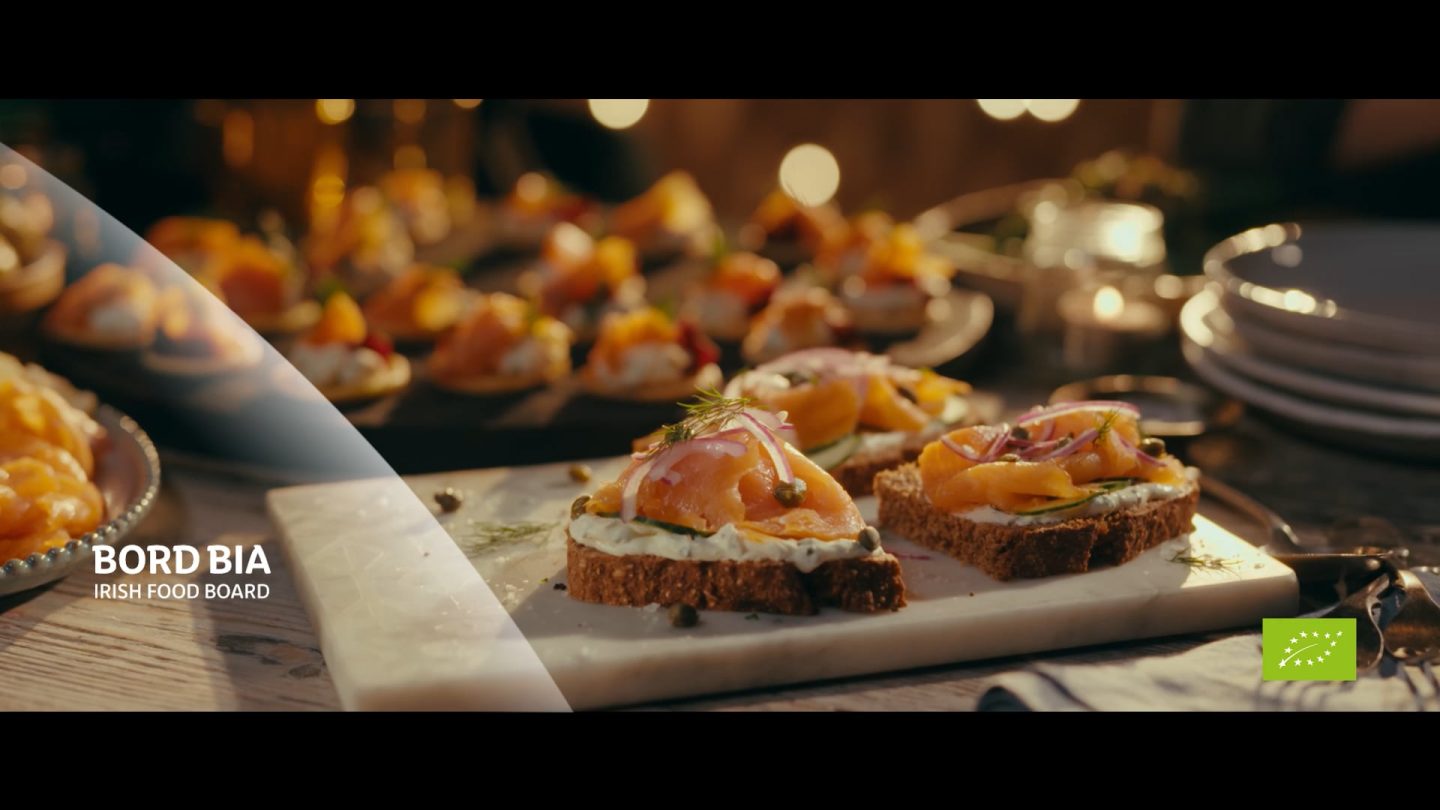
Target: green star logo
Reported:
[(1309, 649)]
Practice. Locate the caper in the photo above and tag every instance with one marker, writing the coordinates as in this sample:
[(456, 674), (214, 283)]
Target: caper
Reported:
[(1009, 458), (448, 500), (798, 378), (1019, 432), (579, 473), (577, 508), (683, 615), (790, 495), (1153, 447), (869, 538)]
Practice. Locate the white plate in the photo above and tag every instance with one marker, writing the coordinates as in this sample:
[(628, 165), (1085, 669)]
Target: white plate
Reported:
[(1206, 324), (1365, 430), (1363, 284), (1411, 371)]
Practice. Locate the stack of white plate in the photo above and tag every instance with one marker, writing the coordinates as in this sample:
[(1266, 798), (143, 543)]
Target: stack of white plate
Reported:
[(1333, 327)]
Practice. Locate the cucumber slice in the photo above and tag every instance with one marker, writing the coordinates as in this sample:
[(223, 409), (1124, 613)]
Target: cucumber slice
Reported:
[(1106, 486), (673, 528), (832, 455)]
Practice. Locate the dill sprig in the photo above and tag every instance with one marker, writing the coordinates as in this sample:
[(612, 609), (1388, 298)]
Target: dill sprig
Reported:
[(1206, 562), (477, 536), (1107, 422), (709, 411)]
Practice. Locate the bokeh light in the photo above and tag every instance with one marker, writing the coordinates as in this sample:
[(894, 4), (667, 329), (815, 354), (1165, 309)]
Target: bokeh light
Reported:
[(1053, 109), (467, 103), (1049, 110), (810, 174), (619, 113), (1002, 109), (409, 110), (334, 110)]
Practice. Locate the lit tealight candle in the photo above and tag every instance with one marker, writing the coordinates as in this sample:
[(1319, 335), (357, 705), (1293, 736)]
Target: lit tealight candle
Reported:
[(1105, 331)]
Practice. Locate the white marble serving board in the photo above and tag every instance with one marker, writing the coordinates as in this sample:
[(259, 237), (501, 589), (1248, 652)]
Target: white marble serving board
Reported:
[(368, 591)]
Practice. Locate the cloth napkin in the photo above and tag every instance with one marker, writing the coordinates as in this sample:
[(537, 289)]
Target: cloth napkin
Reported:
[(1222, 675)]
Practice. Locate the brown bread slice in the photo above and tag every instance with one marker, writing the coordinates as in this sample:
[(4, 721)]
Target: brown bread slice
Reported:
[(1037, 550), (857, 473), (867, 585)]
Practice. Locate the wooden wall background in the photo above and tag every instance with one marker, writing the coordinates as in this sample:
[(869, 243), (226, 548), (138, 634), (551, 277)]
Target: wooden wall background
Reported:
[(905, 154)]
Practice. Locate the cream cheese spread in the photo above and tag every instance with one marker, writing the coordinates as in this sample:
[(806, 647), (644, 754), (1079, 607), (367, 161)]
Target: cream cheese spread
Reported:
[(615, 536)]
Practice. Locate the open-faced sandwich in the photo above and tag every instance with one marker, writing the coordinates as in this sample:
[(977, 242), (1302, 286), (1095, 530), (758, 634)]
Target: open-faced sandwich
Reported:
[(32, 265), (671, 218), (579, 280), (362, 245), (536, 204), (419, 197), (785, 230), (894, 283), (1068, 488), (261, 281), (647, 356), (114, 308), (738, 285), (347, 360), (48, 444), (420, 304), (855, 413), (262, 286), (198, 336), (723, 514), (502, 345), (796, 318), (192, 242)]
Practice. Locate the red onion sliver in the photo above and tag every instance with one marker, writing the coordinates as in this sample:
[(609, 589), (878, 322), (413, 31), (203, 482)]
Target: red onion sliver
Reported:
[(1069, 449), (1054, 411), (708, 445), (772, 444), (1144, 457), (998, 443), (631, 492), (959, 449)]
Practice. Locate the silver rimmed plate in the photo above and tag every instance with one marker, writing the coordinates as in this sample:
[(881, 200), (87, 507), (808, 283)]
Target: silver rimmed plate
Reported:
[(128, 475), (1358, 284)]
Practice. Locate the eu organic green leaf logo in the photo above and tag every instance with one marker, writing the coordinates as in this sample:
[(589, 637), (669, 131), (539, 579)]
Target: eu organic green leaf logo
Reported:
[(1309, 649)]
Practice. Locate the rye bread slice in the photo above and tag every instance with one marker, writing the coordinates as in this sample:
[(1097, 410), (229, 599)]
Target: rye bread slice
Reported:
[(1008, 552), (857, 473), (866, 585)]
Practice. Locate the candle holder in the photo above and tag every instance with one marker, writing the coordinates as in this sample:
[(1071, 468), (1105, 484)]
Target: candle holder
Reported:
[(1105, 330)]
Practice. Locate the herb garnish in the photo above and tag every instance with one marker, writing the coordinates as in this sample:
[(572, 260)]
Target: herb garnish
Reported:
[(1106, 423), (1207, 562), (477, 536), (710, 411)]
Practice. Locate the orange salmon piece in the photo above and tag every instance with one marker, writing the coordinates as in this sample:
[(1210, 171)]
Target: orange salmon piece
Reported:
[(886, 409), (821, 413)]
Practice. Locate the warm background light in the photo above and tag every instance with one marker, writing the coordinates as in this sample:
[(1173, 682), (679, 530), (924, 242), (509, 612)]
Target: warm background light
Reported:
[(467, 103), (237, 138), (1053, 109), (619, 113), (1109, 303), (334, 110), (810, 174), (410, 156), (1045, 109), (409, 110), (1002, 109)]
